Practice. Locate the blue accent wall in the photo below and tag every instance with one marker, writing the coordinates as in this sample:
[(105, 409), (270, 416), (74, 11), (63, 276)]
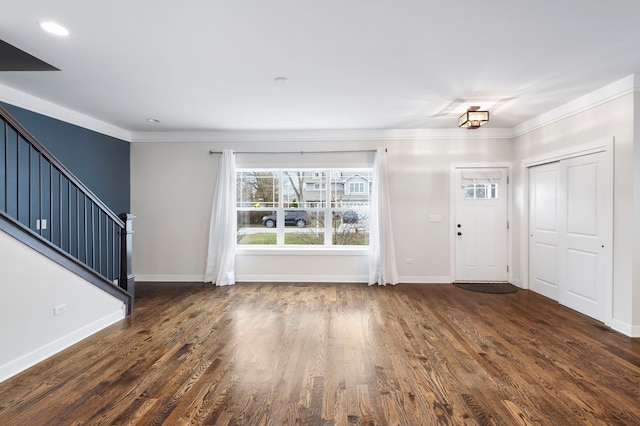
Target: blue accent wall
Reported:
[(101, 162)]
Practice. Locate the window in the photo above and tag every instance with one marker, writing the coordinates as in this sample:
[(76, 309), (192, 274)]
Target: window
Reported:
[(481, 191), (356, 187), (298, 207)]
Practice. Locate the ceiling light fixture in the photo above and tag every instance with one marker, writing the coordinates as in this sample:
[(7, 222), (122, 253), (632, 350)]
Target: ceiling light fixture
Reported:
[(473, 118), (153, 120), (281, 80), (53, 28)]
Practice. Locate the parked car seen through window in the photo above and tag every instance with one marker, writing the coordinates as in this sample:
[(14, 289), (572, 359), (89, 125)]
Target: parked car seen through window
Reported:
[(299, 218)]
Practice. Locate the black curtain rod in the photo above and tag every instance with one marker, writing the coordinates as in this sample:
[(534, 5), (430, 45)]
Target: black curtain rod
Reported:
[(298, 152)]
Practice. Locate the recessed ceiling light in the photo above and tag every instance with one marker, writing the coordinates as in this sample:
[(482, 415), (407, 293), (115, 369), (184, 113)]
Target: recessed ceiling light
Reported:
[(54, 28), (153, 120), (281, 80)]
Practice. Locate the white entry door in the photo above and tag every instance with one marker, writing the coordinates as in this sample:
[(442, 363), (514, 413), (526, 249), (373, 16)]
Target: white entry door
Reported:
[(481, 224), (544, 219), (570, 223)]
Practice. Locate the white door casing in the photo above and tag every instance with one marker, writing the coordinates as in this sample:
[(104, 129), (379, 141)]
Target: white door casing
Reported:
[(481, 234)]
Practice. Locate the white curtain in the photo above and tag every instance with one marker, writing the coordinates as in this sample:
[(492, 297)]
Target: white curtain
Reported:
[(382, 257), (222, 232)]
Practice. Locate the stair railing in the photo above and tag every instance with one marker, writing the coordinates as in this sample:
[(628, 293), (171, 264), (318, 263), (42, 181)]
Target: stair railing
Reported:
[(41, 198)]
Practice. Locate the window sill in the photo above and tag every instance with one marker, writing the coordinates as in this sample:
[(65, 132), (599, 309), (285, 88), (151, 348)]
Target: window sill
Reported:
[(303, 251)]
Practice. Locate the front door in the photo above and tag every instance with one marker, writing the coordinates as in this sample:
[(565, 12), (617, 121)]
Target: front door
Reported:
[(481, 224)]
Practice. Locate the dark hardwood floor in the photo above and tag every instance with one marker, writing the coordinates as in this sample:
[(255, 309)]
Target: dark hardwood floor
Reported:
[(325, 354)]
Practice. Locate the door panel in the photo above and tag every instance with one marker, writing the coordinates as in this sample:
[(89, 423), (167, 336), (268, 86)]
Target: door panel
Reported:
[(581, 279), (588, 214), (543, 229), (546, 271), (481, 225), (582, 199)]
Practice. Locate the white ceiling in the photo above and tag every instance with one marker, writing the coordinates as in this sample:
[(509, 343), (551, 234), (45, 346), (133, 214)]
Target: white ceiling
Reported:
[(201, 65)]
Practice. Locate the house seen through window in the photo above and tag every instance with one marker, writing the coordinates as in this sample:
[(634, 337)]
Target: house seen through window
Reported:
[(487, 191), (287, 207)]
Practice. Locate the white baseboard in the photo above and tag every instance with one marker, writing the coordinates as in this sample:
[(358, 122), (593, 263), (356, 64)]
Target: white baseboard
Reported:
[(16, 366), (409, 279), (303, 278), (426, 279), (171, 278), (624, 328), (256, 278)]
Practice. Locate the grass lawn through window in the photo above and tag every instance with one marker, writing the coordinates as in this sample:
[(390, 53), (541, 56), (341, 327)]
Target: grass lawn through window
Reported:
[(361, 238)]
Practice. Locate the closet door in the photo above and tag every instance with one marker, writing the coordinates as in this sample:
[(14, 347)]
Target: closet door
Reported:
[(570, 230), (586, 218), (544, 229)]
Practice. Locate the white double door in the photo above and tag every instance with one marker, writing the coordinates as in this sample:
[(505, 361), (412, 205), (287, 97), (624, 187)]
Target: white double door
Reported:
[(570, 230)]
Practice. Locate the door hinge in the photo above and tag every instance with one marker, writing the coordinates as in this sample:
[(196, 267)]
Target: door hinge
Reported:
[(507, 180), (507, 268), (508, 225)]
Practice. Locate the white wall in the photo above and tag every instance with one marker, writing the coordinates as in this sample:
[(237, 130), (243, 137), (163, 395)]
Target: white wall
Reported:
[(613, 119), (32, 286), (171, 195), (634, 297)]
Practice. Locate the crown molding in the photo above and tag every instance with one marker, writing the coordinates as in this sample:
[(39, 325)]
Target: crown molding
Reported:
[(617, 89), (320, 135), (49, 109)]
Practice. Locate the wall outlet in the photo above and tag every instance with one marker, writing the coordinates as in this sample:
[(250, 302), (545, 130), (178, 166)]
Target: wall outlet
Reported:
[(59, 310), (435, 218)]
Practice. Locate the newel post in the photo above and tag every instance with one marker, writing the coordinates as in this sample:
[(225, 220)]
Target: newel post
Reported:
[(127, 279)]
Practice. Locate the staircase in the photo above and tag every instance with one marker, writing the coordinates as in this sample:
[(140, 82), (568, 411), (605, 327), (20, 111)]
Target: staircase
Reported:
[(46, 207)]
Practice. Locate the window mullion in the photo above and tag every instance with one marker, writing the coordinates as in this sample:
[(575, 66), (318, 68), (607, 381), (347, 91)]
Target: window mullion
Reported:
[(328, 212), (280, 214)]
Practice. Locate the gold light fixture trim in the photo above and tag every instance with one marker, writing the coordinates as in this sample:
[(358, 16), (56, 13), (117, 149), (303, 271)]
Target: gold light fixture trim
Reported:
[(473, 118)]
